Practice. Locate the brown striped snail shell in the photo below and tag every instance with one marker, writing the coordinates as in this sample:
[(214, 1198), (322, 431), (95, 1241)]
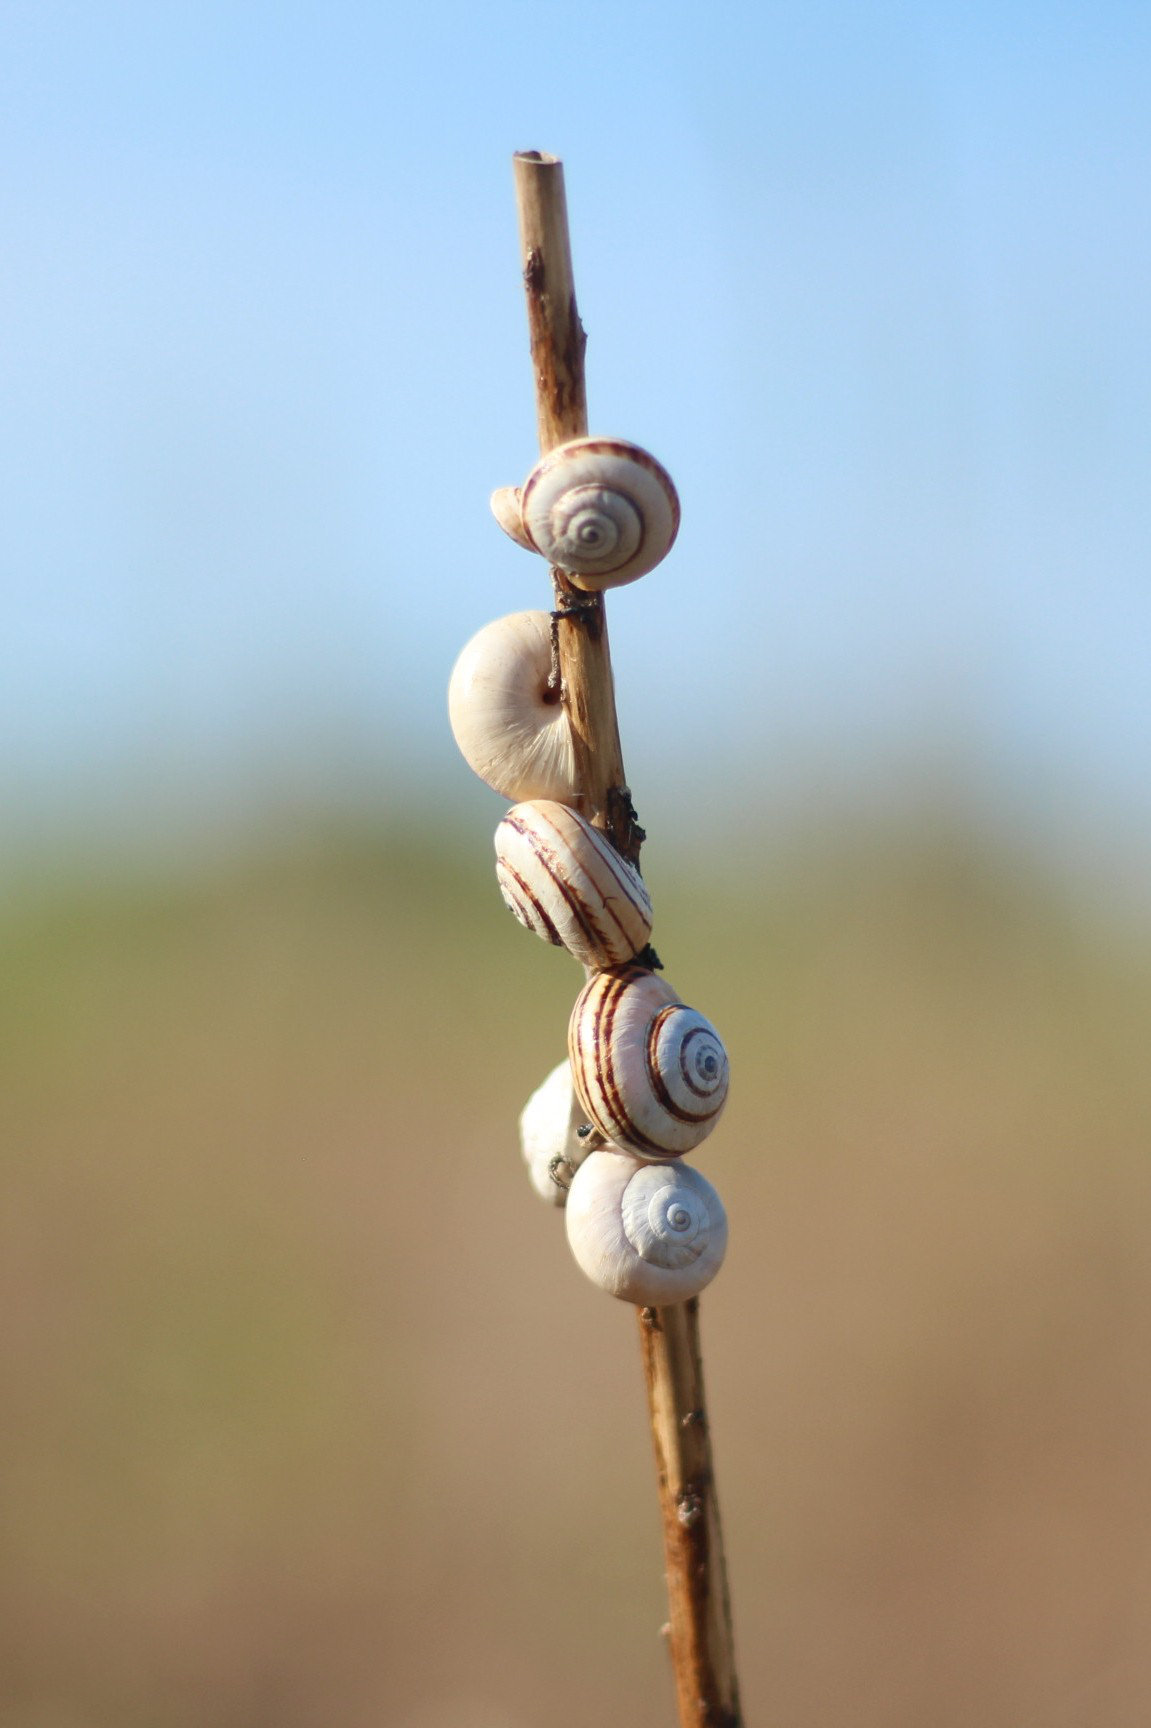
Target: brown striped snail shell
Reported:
[(652, 1234), (601, 509), (651, 1073), (565, 880), (552, 1146), (506, 714)]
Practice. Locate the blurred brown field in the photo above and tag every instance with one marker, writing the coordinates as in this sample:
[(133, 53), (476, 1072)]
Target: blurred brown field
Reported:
[(310, 1419)]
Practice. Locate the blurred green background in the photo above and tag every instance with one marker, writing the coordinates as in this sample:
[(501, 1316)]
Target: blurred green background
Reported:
[(308, 1416)]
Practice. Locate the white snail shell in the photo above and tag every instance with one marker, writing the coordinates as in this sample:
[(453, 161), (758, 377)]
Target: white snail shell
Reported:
[(601, 509), (552, 1147), (652, 1234), (506, 715), (565, 880), (508, 512), (651, 1073)]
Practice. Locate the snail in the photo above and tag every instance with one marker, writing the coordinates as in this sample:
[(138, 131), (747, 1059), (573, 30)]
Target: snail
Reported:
[(553, 1148), (652, 1234), (602, 510), (505, 502), (650, 1072), (563, 879), (506, 712)]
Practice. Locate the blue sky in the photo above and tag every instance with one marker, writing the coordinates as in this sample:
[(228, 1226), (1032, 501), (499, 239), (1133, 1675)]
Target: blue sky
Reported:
[(872, 280)]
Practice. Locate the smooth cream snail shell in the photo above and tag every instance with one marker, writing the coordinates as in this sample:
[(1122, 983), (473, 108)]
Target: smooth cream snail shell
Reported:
[(651, 1073), (506, 714), (602, 510), (652, 1234), (506, 508), (552, 1146), (565, 880)]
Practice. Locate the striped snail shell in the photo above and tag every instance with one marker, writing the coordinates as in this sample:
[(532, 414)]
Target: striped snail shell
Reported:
[(652, 1234), (506, 713), (601, 509), (651, 1073), (552, 1147), (565, 880)]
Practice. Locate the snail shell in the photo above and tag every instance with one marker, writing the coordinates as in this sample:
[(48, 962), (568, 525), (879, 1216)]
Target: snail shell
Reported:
[(651, 1073), (602, 510), (552, 1147), (506, 714), (652, 1234), (508, 512), (563, 879)]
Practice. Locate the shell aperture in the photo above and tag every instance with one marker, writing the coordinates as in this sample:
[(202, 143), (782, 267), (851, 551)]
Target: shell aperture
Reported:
[(510, 726)]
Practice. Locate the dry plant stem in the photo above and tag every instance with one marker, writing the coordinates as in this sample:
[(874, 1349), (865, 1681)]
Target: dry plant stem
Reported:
[(700, 1630), (557, 343), (703, 1652)]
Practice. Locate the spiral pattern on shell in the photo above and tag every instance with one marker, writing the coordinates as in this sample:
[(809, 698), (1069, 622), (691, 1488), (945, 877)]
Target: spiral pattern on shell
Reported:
[(647, 1233), (506, 715), (563, 879), (651, 1072), (665, 1217), (601, 509)]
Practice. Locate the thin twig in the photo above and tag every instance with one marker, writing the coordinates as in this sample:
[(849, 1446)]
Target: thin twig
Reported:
[(557, 343), (700, 1630)]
